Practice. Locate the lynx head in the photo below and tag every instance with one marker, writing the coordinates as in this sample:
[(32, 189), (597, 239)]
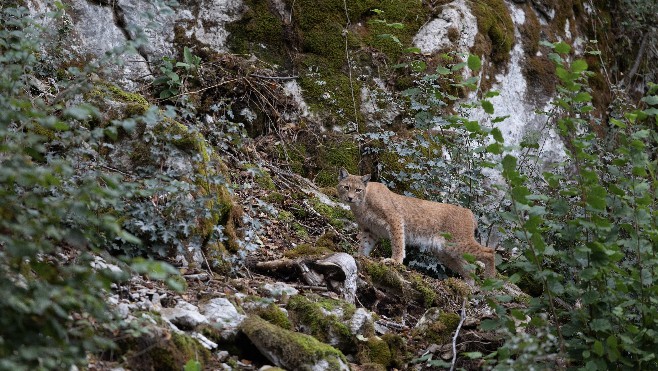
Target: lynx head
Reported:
[(352, 188)]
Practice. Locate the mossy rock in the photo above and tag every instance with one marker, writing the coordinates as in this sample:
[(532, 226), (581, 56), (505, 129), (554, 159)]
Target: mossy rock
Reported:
[(306, 250), (374, 350), (116, 103), (170, 351), (323, 318), (496, 30), (274, 315), (335, 215), (291, 350), (440, 326)]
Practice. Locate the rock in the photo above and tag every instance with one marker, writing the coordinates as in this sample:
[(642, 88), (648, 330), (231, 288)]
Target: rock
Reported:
[(362, 323), (184, 315), (223, 315), (291, 350), (278, 289), (435, 35)]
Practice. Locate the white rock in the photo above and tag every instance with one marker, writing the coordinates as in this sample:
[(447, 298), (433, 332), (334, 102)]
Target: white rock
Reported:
[(434, 35), (223, 315), (184, 315), (277, 289), (361, 321)]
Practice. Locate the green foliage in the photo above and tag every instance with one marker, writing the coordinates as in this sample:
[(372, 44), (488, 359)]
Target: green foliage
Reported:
[(175, 74), (590, 234), (63, 198)]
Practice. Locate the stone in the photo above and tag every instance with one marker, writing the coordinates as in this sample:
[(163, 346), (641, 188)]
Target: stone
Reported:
[(184, 315), (223, 315), (278, 289)]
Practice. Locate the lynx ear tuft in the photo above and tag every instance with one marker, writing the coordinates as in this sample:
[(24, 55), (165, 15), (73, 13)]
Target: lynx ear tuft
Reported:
[(365, 178), (342, 174)]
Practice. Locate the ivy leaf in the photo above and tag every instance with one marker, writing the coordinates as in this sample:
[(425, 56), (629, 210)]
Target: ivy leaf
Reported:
[(474, 62), (650, 99), (582, 97), (488, 107)]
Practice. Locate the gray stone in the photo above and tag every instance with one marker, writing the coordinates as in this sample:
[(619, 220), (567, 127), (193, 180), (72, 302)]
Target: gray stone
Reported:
[(184, 315), (223, 315)]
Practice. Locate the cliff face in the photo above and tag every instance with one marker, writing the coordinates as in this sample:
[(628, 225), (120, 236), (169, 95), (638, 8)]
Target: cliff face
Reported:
[(350, 62)]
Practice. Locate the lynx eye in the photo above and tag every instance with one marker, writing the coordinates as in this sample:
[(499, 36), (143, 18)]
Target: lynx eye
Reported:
[(346, 187), (359, 190)]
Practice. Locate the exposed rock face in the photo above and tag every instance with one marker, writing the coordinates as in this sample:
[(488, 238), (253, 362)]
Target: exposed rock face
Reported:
[(453, 29)]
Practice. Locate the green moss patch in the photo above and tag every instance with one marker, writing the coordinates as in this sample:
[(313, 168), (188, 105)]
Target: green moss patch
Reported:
[(315, 316), (496, 30), (296, 351)]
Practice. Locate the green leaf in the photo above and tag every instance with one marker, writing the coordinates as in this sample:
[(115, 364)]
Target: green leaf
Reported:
[(487, 106), (509, 164), (398, 26), (597, 348), (472, 355), (472, 126), (562, 47), (600, 324), (413, 50), (495, 148), (582, 97), (192, 365), (443, 71), (578, 66), (651, 100), (474, 62)]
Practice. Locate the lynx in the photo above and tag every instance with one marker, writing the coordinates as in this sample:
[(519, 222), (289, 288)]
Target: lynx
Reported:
[(444, 229)]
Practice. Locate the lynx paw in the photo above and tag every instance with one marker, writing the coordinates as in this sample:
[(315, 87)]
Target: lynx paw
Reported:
[(390, 261)]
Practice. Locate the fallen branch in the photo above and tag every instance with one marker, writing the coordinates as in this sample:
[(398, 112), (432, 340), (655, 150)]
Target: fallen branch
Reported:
[(454, 338)]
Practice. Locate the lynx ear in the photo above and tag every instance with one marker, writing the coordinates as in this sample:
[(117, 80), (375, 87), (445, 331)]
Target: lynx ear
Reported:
[(342, 174), (365, 178)]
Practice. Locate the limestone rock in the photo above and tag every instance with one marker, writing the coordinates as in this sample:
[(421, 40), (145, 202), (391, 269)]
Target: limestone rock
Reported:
[(291, 350)]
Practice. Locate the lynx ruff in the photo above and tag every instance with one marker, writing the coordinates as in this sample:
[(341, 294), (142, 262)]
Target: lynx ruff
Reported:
[(444, 229)]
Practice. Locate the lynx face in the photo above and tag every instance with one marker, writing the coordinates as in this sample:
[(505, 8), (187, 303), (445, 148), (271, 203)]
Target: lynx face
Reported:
[(352, 188)]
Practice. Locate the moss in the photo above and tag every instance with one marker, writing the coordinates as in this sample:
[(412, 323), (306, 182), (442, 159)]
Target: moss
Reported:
[(385, 276), (274, 315), (261, 177), (429, 294), (133, 104), (495, 22), (300, 230), (285, 216), (306, 249), (458, 286), (168, 351), (336, 215), (314, 317), (328, 241), (275, 198), (333, 154), (441, 330), (258, 31), (530, 31), (540, 74), (398, 349), (330, 91), (374, 350), (299, 351)]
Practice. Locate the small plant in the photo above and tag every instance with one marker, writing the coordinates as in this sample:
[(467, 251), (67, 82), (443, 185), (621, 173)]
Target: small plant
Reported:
[(175, 74)]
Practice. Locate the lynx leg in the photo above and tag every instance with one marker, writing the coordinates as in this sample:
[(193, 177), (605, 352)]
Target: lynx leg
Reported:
[(396, 232), (488, 257), (456, 263), (366, 242)]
